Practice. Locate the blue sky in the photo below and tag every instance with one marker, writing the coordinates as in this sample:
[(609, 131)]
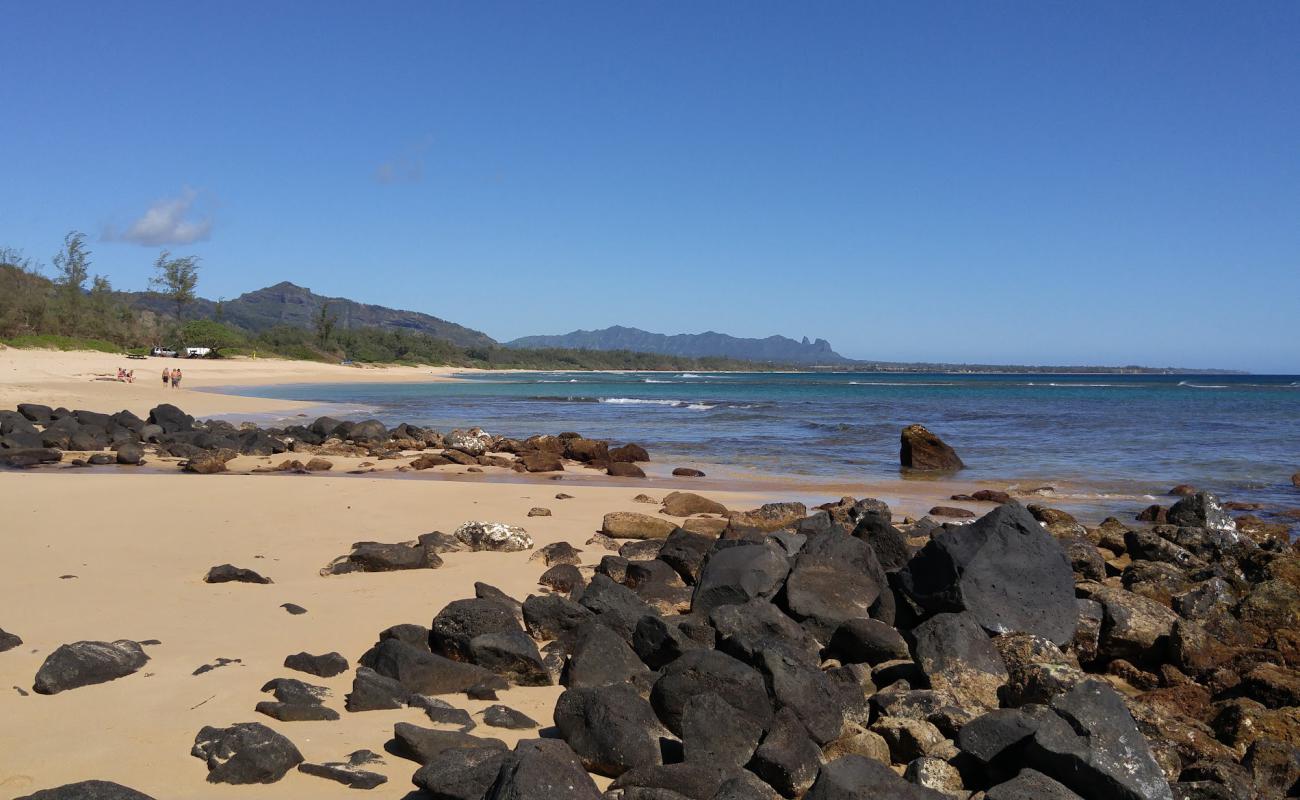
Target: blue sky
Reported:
[(1042, 182)]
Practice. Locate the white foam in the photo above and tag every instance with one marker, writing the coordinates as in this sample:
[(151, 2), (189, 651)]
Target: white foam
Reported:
[(636, 401)]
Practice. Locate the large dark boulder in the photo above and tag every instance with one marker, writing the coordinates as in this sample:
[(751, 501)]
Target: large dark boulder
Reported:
[(512, 655), (171, 419), (857, 778), (423, 745), (601, 657), (715, 733), (35, 412), (88, 790), (370, 431), (86, 663), (875, 528), (424, 672), (374, 692), (30, 456), (748, 630), (834, 578), (960, 662), (460, 621), (1004, 569), (1201, 510), (804, 689), (552, 617), (702, 671), (787, 760), (9, 641), (670, 782), (661, 640), (868, 641), (994, 742), (461, 773), (611, 728), (924, 451), (326, 665), (685, 552), (1030, 785), (543, 769), (737, 575), (614, 605), (246, 752), (1092, 745)]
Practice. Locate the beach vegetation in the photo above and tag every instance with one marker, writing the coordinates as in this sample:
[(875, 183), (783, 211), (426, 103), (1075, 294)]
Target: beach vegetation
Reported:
[(176, 279)]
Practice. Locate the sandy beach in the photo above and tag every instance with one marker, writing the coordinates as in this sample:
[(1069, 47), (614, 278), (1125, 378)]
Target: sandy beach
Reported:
[(139, 546), (79, 379)]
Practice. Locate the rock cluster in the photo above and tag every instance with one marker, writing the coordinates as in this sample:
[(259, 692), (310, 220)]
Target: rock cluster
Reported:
[(36, 434), (1023, 655)]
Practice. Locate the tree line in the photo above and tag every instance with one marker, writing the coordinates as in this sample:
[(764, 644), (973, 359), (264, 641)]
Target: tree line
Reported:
[(73, 308)]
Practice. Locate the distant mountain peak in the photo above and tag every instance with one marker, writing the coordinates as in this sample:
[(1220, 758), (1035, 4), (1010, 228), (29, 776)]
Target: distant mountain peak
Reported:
[(773, 349), (287, 303)]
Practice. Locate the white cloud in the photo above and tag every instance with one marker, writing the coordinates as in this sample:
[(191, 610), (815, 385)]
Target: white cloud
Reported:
[(167, 221), (406, 167)]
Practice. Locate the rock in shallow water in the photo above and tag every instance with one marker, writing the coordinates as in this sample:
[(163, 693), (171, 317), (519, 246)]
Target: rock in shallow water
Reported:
[(86, 663), (924, 451)]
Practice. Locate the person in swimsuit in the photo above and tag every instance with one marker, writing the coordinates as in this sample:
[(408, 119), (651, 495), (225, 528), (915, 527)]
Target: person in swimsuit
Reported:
[(167, 376)]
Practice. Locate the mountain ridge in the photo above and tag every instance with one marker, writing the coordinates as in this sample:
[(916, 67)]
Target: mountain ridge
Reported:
[(286, 303), (773, 349)]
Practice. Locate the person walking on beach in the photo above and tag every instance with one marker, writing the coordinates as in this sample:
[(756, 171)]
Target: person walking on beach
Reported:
[(167, 375), (176, 378)]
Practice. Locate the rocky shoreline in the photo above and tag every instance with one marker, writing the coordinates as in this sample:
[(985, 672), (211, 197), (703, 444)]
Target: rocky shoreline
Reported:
[(709, 653), (36, 435)]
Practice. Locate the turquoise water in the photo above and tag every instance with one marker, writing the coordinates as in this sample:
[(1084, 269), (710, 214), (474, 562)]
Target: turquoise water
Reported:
[(1239, 435)]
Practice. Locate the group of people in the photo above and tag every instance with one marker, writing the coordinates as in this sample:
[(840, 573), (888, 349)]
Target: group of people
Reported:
[(126, 375), (172, 376)]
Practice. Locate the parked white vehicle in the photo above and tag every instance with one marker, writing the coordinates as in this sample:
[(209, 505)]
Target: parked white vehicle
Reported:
[(198, 352), (162, 352)]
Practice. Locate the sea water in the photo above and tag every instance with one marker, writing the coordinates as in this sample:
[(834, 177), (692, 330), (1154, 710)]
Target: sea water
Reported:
[(1238, 435)]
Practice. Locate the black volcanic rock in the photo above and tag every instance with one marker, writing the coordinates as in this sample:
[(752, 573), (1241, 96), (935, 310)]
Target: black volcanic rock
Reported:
[(701, 671), (228, 573), (611, 728), (85, 663), (88, 790), (1004, 569), (923, 451), (461, 773), (854, 777), (542, 769), (9, 641), (246, 752)]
